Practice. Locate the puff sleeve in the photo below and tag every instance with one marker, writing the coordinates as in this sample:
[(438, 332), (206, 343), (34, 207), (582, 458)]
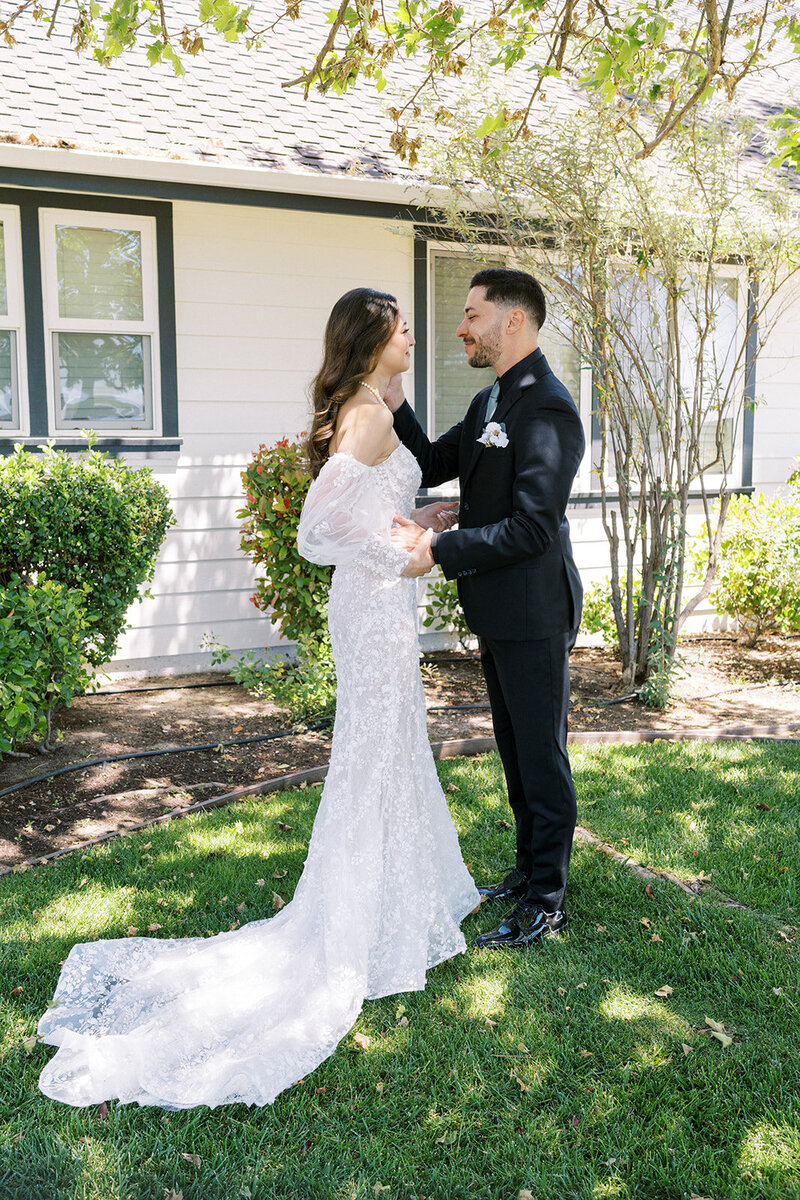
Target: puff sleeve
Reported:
[(345, 521)]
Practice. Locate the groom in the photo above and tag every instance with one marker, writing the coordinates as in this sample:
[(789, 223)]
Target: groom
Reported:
[(516, 453)]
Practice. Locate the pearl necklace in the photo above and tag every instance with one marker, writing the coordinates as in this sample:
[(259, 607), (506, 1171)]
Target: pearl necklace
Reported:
[(375, 392)]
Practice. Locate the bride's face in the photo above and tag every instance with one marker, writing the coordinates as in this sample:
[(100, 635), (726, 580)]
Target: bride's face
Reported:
[(396, 354)]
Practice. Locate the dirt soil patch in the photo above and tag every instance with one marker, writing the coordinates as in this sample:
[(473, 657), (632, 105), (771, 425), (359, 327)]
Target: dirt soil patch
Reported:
[(725, 685)]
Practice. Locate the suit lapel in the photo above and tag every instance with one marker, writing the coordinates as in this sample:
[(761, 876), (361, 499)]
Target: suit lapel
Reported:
[(538, 368), (475, 426)]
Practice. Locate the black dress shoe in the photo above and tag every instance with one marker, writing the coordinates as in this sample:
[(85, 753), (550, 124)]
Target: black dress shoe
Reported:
[(528, 923), (513, 887)]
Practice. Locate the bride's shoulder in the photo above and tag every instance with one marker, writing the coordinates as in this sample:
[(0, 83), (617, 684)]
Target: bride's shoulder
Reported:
[(362, 430)]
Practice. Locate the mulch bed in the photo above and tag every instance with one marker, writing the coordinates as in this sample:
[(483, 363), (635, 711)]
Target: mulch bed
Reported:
[(726, 685)]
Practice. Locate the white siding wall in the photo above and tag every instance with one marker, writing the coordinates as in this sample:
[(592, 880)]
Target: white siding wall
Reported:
[(254, 288)]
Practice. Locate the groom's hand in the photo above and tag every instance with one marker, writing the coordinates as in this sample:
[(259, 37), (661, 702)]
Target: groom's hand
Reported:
[(394, 397), (417, 541)]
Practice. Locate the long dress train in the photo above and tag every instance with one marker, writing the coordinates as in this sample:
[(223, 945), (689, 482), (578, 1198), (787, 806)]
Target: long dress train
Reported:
[(243, 1015)]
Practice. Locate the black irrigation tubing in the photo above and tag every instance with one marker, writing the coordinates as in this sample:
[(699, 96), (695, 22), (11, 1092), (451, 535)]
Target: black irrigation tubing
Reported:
[(101, 762)]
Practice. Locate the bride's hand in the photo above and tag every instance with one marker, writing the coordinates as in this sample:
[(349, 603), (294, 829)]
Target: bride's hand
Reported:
[(438, 516), (405, 534)]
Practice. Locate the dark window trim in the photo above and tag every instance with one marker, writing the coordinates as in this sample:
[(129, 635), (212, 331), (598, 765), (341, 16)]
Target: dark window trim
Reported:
[(29, 203), (424, 234)]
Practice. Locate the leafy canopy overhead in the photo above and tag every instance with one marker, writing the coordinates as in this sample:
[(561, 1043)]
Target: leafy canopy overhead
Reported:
[(655, 60)]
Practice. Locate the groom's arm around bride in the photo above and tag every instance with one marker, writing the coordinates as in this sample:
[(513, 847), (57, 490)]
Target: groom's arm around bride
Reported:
[(516, 454)]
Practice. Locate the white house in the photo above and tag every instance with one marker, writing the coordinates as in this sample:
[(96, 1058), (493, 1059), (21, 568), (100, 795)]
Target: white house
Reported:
[(197, 231)]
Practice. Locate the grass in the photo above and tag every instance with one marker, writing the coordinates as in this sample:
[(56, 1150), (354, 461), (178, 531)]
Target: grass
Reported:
[(558, 1070)]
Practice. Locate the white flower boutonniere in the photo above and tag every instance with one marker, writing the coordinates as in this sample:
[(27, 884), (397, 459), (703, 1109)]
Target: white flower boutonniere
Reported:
[(494, 435)]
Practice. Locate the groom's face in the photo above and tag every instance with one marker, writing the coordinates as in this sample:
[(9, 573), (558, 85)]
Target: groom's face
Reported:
[(482, 329)]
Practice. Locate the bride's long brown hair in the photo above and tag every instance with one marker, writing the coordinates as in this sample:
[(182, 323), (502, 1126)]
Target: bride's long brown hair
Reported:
[(360, 325)]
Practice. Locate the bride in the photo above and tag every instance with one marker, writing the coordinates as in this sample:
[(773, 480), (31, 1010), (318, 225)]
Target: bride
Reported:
[(243, 1015)]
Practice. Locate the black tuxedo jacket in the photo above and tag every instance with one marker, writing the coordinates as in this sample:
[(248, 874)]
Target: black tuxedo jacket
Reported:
[(511, 554)]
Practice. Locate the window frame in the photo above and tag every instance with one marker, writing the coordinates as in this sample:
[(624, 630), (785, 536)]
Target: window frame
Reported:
[(440, 248), (14, 321), (55, 324), (38, 431), (738, 477)]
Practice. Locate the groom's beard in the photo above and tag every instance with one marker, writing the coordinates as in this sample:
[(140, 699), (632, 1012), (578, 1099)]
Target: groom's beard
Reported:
[(486, 349)]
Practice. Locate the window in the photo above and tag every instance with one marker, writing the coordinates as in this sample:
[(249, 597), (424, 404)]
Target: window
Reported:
[(453, 381), (101, 320), (12, 375), (706, 340)]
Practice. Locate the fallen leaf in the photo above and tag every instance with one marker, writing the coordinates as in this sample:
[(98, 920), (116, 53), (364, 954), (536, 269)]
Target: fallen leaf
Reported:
[(716, 1025), (523, 1086), (152, 928), (722, 1037), (30, 1044), (194, 1159), (775, 992), (238, 728), (283, 827), (601, 928), (260, 882), (587, 1054), (403, 1021), (146, 846), (648, 891), (380, 1189), (581, 986), (277, 902), (657, 810), (448, 1138), (321, 1091), (132, 931), (656, 938), (361, 1040), (102, 1111), (241, 907), (379, 1088), (503, 824), (20, 868), (279, 874), (687, 1050), (664, 991), (451, 787), (489, 1022), (646, 922), (17, 991), (763, 807), (525, 1195), (783, 935), (694, 1196), (562, 991), (169, 1194)]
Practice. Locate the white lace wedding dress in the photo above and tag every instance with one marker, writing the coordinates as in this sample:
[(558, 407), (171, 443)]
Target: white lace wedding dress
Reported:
[(243, 1015)]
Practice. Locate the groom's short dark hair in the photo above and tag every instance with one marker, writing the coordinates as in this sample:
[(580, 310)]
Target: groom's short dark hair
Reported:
[(516, 289)]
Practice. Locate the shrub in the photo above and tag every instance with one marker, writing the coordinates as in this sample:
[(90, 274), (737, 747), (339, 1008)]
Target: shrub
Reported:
[(598, 613), (443, 611), (42, 665), (758, 576), (306, 687), (276, 483), (87, 521)]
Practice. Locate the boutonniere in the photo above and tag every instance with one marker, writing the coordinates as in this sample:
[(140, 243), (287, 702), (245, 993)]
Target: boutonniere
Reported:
[(494, 435)]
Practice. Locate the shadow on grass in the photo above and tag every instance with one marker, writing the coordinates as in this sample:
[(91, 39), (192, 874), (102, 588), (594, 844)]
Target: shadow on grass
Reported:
[(557, 1070)]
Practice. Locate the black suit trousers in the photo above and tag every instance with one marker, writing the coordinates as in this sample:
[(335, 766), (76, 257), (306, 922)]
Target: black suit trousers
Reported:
[(528, 686)]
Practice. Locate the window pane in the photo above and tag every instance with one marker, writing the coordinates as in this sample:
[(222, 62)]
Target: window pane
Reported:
[(103, 377), (455, 382), (8, 376), (3, 278), (99, 273)]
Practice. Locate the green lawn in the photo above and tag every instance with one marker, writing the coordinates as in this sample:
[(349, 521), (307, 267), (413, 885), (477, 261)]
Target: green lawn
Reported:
[(557, 1070)]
